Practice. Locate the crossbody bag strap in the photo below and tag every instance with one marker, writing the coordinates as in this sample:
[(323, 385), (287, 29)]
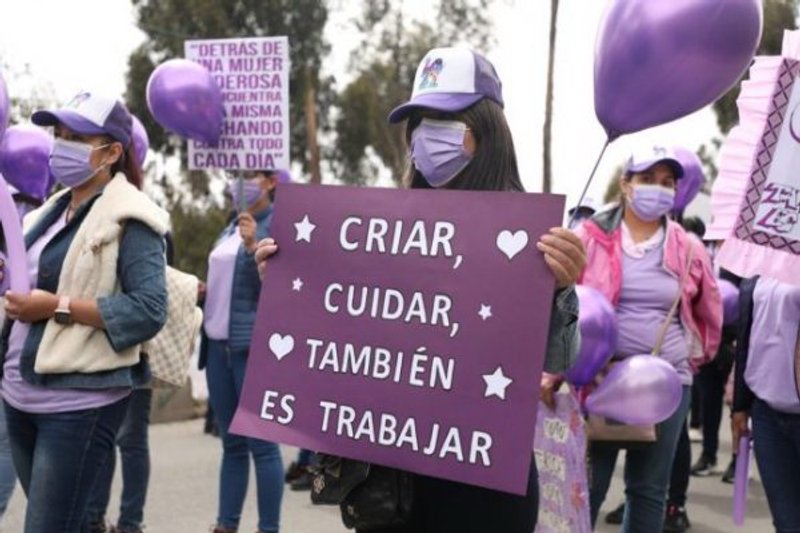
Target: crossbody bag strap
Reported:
[(665, 326)]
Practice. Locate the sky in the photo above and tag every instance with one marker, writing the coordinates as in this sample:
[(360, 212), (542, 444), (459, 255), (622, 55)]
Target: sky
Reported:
[(91, 52)]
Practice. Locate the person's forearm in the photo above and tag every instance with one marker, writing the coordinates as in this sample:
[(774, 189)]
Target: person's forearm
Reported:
[(87, 313)]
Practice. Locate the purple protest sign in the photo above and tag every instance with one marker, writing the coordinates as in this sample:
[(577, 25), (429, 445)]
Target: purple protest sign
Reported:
[(405, 328), (560, 448), (253, 75)]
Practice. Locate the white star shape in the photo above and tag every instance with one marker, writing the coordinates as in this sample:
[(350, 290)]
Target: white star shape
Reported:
[(304, 229), (485, 312), (496, 384), (297, 285)]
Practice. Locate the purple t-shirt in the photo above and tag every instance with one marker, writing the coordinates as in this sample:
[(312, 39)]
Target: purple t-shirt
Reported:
[(648, 292), (770, 371), (221, 266), (32, 398)]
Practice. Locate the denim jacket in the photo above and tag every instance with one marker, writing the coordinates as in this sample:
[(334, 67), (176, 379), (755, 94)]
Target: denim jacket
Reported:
[(563, 341), (133, 315), (246, 286)]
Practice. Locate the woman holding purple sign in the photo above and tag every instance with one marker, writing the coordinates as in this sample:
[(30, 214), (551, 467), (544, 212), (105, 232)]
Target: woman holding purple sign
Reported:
[(233, 289), (661, 284), (767, 389), (459, 139)]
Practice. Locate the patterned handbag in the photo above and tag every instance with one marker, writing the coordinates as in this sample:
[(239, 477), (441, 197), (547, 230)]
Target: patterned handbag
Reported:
[(171, 349)]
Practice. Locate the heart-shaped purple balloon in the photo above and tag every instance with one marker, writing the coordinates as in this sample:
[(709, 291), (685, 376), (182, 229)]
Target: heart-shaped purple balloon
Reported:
[(598, 326), (659, 60), (641, 389), (25, 159), (183, 97)]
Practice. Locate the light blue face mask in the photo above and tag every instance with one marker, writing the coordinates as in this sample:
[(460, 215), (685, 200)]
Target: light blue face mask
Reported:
[(437, 149)]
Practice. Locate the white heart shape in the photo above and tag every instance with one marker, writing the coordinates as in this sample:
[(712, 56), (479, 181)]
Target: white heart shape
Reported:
[(281, 346), (512, 243)]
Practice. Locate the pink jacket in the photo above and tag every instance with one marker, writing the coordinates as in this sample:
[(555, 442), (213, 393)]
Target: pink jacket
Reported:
[(701, 304)]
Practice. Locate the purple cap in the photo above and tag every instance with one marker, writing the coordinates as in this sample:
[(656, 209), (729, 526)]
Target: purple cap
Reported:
[(451, 79), (645, 158), (91, 114)]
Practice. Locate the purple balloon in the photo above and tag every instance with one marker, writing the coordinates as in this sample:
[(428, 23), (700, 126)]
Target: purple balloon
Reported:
[(641, 389), (141, 142), (730, 301), (656, 61), (183, 97), (693, 178), (284, 176), (5, 107), (24, 159), (598, 326)]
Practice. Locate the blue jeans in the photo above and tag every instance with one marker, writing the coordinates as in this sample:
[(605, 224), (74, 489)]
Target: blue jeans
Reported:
[(306, 457), (647, 474), (225, 376), (135, 454), (58, 457), (776, 443), (8, 476)]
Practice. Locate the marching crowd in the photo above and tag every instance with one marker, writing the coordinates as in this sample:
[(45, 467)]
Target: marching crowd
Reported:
[(76, 382)]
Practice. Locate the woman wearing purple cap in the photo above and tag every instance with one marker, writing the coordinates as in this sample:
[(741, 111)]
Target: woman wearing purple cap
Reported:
[(230, 312), (71, 348), (459, 139), (767, 389), (645, 264)]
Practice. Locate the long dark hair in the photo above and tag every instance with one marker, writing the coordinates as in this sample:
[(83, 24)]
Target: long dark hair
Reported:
[(494, 165), (128, 166)]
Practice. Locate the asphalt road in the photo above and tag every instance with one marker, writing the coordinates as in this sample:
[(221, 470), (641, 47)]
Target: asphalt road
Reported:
[(183, 492)]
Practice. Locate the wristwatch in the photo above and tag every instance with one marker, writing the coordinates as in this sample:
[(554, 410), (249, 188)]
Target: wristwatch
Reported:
[(63, 315)]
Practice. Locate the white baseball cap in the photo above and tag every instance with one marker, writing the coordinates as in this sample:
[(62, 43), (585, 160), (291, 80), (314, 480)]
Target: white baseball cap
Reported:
[(451, 79)]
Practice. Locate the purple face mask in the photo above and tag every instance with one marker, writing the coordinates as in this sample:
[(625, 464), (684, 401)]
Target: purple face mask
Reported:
[(651, 202), (252, 193), (70, 162), (437, 149)]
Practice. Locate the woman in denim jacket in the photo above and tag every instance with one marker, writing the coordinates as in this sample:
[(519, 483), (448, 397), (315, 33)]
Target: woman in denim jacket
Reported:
[(71, 347), (230, 307)]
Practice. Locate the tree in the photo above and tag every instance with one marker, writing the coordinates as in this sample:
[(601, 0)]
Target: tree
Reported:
[(385, 66), (38, 94), (196, 216), (779, 15), (548, 110), (168, 23)]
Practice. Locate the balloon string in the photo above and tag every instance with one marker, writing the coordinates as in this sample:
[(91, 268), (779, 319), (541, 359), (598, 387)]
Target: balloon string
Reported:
[(589, 182)]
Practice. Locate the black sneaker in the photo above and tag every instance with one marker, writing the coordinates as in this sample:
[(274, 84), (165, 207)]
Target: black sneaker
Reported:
[(98, 527), (704, 466), (303, 482), (730, 472), (676, 520), (615, 516), (293, 472)]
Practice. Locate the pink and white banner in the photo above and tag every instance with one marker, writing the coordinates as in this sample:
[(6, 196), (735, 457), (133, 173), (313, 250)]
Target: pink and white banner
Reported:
[(756, 200)]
